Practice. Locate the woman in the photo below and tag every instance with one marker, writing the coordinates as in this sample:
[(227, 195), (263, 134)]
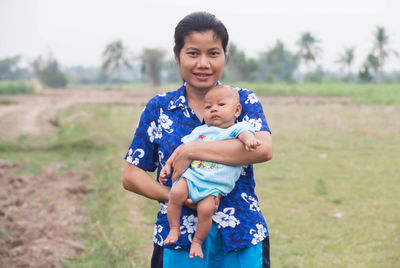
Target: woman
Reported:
[(239, 235)]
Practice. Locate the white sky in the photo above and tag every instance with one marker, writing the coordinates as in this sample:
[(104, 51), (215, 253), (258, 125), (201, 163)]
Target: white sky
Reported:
[(77, 31)]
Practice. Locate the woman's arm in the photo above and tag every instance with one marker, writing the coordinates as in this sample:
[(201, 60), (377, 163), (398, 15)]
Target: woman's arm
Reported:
[(230, 152), (138, 181)]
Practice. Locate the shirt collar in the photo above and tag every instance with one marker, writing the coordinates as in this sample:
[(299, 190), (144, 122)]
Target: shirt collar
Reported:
[(179, 99)]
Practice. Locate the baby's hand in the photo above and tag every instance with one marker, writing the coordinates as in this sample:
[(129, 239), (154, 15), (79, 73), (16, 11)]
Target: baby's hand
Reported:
[(164, 173), (252, 144)]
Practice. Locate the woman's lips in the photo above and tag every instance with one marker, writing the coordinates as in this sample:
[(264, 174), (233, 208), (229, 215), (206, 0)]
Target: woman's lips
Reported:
[(202, 76)]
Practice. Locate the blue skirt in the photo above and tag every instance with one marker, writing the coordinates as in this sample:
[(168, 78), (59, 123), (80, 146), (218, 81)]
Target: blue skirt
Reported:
[(214, 255)]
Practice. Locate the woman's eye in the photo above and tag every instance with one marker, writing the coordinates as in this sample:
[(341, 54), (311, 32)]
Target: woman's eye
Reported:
[(192, 53)]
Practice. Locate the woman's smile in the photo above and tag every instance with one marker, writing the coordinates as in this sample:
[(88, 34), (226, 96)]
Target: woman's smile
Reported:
[(201, 60)]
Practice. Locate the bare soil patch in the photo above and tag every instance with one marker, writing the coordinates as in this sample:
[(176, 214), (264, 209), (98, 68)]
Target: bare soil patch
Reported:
[(39, 215)]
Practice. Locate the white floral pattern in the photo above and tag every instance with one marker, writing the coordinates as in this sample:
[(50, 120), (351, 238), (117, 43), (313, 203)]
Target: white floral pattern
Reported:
[(252, 98), (256, 124), (189, 226), (258, 235), (165, 122), (254, 206), (243, 172), (226, 218), (157, 238), (154, 131), (164, 207), (134, 158)]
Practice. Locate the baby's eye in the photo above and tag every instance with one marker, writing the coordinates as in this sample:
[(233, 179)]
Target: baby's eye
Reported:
[(221, 104), (208, 107)]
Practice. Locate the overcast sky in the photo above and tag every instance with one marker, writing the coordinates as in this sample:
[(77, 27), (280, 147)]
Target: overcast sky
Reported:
[(77, 31)]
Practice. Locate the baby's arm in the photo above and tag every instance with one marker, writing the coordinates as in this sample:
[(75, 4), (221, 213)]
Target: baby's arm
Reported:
[(249, 140), (167, 168)]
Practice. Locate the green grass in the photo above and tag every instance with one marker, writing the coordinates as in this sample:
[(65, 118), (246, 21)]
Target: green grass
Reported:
[(358, 93), (15, 87), (330, 194)]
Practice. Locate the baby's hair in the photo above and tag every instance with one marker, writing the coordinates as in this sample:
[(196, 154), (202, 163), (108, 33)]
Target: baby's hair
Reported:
[(232, 89)]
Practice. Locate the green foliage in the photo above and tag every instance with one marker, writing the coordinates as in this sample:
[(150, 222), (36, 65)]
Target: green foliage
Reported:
[(316, 76), (16, 87), (239, 67), (48, 72), (364, 74), (278, 64), (9, 69)]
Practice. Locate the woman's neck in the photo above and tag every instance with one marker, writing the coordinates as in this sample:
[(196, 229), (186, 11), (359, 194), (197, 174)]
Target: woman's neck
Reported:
[(195, 100)]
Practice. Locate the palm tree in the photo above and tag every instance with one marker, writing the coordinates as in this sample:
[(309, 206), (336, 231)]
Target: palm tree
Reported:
[(309, 49), (114, 56), (347, 59), (381, 43)]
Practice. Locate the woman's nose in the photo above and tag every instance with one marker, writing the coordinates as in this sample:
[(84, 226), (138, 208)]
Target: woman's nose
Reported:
[(203, 62)]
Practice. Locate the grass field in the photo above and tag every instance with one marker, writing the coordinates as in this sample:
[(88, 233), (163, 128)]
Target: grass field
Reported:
[(330, 195), (357, 93), (16, 87)]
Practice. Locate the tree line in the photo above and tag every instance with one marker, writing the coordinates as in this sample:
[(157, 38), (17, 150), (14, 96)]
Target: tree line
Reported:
[(277, 64)]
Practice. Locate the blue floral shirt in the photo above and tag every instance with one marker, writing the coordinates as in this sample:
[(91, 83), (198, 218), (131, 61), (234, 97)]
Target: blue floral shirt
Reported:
[(164, 121)]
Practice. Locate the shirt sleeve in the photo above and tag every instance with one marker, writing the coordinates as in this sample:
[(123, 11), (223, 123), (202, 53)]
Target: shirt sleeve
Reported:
[(252, 111), (238, 128), (143, 151)]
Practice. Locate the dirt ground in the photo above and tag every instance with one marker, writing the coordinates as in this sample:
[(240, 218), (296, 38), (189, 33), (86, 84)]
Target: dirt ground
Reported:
[(40, 214)]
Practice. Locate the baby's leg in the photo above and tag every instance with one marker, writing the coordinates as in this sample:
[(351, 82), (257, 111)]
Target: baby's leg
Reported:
[(205, 210), (178, 195)]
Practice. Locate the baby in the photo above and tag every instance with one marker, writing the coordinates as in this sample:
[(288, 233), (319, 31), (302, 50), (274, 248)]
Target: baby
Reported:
[(205, 181)]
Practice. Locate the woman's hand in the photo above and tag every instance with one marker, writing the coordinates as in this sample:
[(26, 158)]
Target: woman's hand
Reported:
[(189, 203), (180, 159), (165, 172)]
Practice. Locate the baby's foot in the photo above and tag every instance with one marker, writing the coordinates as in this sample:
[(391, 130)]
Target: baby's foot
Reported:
[(172, 237), (195, 250)]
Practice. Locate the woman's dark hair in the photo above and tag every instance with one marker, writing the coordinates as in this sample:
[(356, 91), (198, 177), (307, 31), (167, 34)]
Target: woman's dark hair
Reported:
[(199, 22)]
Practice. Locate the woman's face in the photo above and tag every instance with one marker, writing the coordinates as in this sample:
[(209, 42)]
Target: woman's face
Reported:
[(201, 60)]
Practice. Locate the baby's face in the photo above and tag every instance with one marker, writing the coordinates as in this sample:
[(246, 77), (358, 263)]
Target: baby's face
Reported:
[(221, 107)]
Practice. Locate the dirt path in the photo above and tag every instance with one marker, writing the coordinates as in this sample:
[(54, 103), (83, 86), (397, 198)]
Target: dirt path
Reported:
[(33, 115)]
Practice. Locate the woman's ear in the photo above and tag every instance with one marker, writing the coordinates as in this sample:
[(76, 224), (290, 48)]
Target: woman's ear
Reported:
[(176, 57)]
